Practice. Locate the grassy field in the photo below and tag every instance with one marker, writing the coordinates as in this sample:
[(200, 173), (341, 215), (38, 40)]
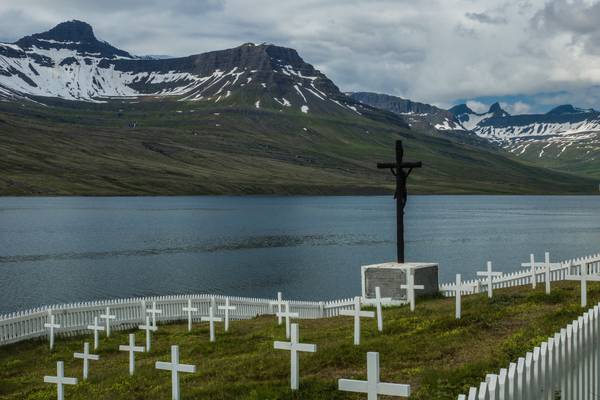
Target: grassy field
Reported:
[(189, 148), (438, 355)]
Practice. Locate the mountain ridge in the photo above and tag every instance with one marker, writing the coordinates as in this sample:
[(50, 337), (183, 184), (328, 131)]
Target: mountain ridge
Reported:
[(253, 119)]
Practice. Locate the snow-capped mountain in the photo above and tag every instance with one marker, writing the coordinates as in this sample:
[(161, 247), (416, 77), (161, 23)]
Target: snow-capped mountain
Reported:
[(69, 62), (470, 119), (564, 128)]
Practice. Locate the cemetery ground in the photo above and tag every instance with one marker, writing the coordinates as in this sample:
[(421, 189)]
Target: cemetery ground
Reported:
[(429, 349)]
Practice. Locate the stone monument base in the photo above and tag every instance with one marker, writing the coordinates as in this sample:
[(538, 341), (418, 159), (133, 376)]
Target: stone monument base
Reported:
[(389, 277)]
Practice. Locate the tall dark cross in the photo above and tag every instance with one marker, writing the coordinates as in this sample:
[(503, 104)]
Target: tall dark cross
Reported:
[(401, 170)]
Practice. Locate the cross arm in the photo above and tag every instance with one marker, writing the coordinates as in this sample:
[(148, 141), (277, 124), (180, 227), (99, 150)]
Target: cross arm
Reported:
[(282, 345), (94, 357), (310, 348), (59, 379), (393, 389), (485, 273), (186, 368), (347, 313), (367, 314), (208, 319), (593, 278), (407, 164), (415, 287), (350, 385)]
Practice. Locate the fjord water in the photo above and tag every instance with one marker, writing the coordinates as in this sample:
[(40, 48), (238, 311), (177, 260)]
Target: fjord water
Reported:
[(70, 249)]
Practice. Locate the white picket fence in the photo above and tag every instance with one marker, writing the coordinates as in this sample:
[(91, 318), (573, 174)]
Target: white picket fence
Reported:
[(566, 367), (524, 277), (74, 318)]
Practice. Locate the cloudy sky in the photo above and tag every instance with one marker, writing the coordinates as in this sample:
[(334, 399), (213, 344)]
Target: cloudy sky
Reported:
[(528, 54)]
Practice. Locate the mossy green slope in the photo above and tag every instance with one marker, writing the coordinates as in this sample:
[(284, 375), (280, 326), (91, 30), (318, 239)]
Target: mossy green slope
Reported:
[(438, 355), (198, 148)]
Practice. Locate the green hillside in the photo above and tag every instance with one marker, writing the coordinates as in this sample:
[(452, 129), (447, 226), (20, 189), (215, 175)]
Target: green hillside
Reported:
[(76, 148)]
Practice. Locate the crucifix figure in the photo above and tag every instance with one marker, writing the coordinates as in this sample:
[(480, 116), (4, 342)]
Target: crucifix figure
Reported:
[(401, 170)]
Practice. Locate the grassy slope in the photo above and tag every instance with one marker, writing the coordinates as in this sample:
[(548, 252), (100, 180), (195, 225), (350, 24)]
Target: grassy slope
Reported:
[(439, 356), (580, 158), (192, 148)]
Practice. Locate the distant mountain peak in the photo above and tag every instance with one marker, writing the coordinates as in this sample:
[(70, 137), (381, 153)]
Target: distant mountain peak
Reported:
[(70, 31), (497, 111), (568, 109), (73, 35), (460, 109)]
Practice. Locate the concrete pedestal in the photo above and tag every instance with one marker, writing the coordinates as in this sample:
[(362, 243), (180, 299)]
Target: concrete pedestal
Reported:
[(389, 277)]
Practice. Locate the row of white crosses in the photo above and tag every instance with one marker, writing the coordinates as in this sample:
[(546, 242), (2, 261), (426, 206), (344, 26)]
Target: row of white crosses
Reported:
[(372, 386), (174, 366), (547, 265), (131, 348)]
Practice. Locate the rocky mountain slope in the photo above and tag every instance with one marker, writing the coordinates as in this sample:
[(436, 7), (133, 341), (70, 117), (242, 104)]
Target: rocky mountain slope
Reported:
[(415, 113), (565, 137), (69, 62)]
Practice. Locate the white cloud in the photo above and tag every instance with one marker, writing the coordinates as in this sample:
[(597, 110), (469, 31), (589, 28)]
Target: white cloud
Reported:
[(478, 106), (429, 50), (518, 107)]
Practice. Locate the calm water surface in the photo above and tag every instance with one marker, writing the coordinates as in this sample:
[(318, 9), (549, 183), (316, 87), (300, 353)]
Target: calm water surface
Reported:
[(55, 250)]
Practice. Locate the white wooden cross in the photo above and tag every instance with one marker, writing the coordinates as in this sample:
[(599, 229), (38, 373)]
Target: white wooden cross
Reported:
[(211, 319), (583, 277), (189, 309), (107, 316), (532, 266), (96, 328), (51, 325), (357, 314), (60, 380), (279, 304), (411, 287), (378, 304), (547, 265), (372, 386), (458, 288), (154, 311), (175, 369), (86, 357), (294, 347), (287, 314), (490, 276), (149, 328), (227, 308), (132, 349)]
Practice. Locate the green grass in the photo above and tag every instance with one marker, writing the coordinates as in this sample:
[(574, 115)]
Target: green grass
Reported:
[(88, 149), (438, 355)]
